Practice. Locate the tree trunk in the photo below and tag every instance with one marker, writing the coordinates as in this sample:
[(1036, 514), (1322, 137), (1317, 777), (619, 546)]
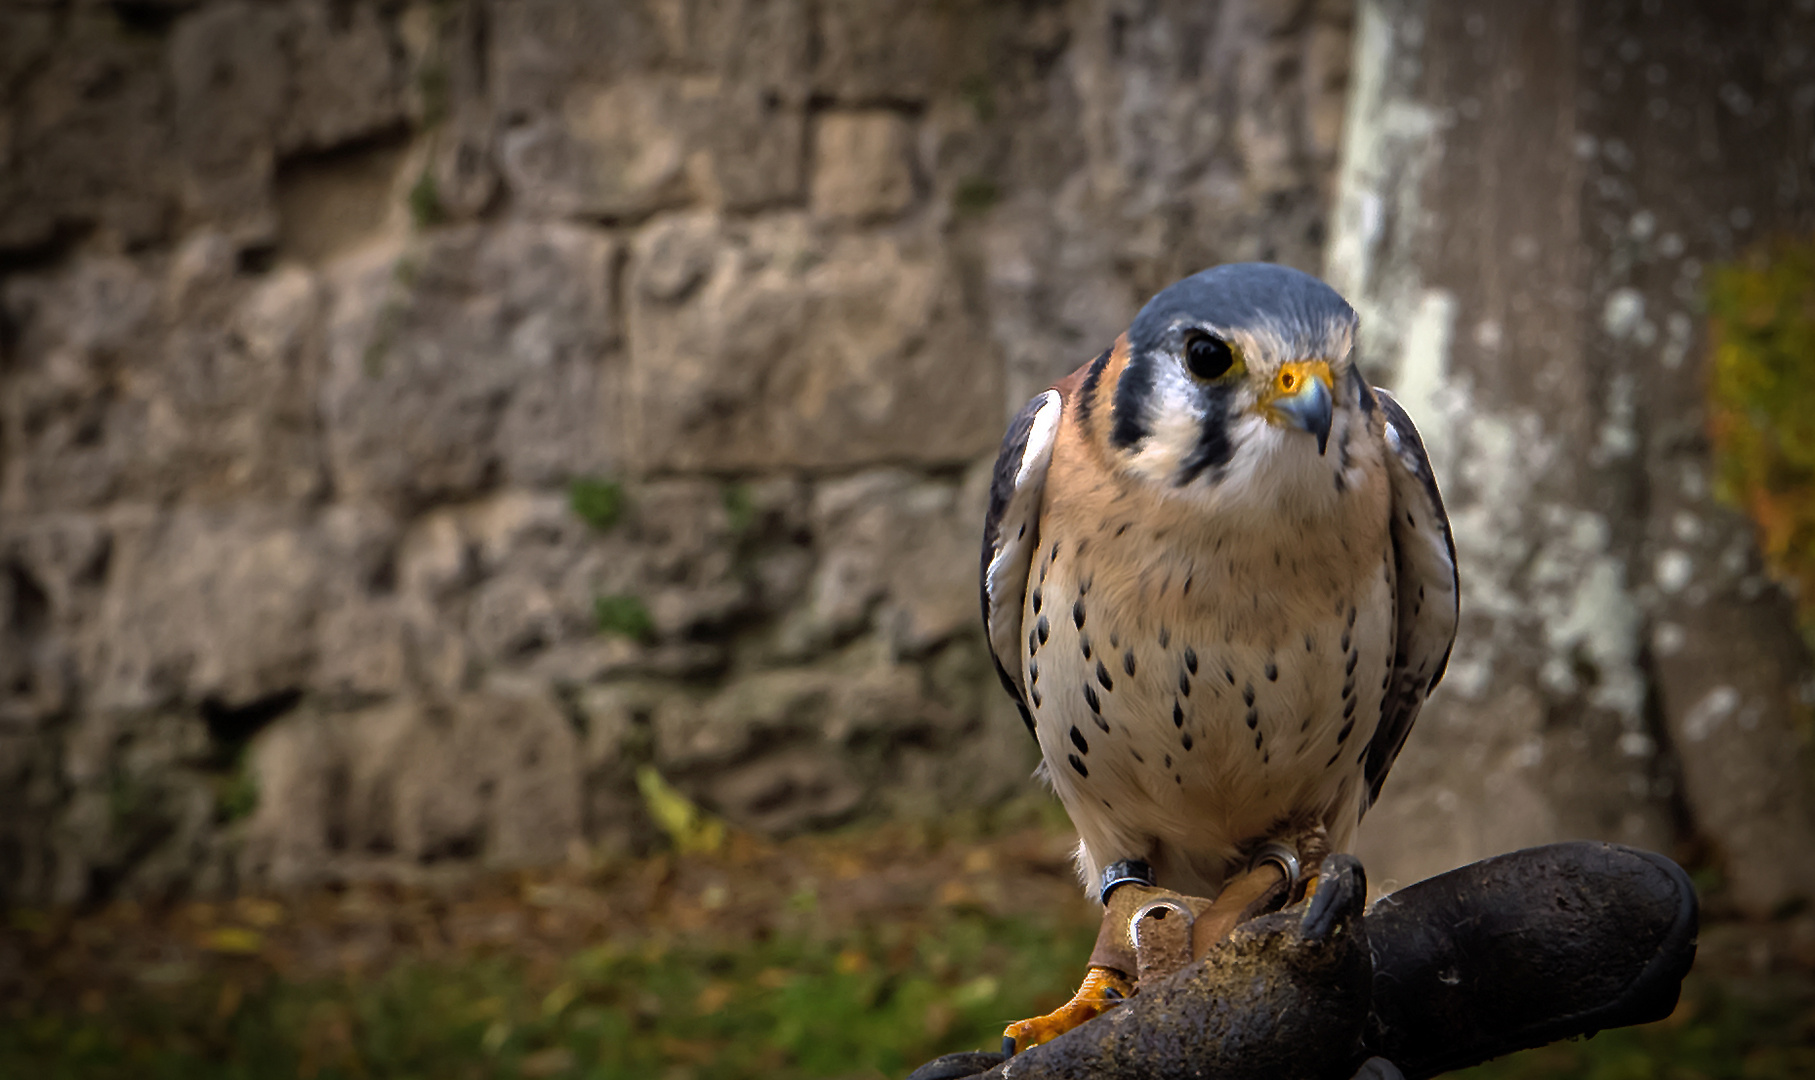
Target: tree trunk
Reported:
[(1531, 199)]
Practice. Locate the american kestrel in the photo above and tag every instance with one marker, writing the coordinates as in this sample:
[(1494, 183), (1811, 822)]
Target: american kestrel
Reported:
[(1218, 580)]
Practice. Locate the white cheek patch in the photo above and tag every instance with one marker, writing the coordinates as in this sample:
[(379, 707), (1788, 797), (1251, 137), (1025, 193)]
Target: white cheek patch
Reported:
[(1273, 469), (1250, 477), (1174, 422)]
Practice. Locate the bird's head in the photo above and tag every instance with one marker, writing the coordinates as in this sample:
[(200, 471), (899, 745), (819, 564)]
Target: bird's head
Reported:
[(1236, 377)]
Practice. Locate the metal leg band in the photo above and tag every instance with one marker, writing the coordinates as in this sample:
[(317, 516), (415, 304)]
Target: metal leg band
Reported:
[(1282, 856), (1123, 872)]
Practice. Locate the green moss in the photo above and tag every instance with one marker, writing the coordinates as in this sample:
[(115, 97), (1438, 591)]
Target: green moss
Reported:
[(976, 195), (625, 616), (740, 507), (597, 502), (425, 201), (980, 95), (128, 799), (384, 335), (1762, 403), (236, 794), (406, 271), (432, 83)]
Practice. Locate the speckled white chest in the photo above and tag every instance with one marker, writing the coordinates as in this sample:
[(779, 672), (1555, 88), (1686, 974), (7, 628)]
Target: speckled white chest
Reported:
[(1195, 701)]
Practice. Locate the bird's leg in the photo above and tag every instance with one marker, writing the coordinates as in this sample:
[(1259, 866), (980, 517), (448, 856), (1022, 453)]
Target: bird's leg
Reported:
[(1126, 887), (1274, 879), (1309, 849), (1262, 888), (1103, 988)]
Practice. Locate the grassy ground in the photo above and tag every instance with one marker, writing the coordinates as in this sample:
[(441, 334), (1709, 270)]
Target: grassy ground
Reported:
[(856, 955)]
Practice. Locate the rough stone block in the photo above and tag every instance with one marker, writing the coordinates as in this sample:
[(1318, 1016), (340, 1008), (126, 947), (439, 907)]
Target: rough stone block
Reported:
[(764, 45), (86, 136), (626, 150), (32, 791), (223, 604), (228, 83), (538, 49), (463, 169), (855, 696), (363, 650), (788, 791), (344, 78), (228, 406), (131, 387), (861, 164), (397, 787), (139, 816), (514, 577), (58, 418), (897, 556), (52, 569), (877, 51), (752, 148), (1489, 776), (613, 151), (797, 349), (513, 615), (590, 130), (621, 110), (483, 356), (730, 726)]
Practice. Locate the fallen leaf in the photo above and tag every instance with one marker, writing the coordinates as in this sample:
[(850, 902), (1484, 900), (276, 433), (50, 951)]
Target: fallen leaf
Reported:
[(233, 939)]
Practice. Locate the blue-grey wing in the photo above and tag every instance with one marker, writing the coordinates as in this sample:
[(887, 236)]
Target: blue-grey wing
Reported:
[(1425, 554)]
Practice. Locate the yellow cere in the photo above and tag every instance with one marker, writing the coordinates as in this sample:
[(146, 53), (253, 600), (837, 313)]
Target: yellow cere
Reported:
[(1293, 377)]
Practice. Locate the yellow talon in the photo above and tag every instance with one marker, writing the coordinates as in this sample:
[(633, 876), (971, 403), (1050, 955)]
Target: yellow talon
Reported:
[(1103, 989)]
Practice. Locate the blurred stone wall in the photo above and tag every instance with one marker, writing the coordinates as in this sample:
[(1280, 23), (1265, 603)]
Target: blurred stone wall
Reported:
[(320, 319)]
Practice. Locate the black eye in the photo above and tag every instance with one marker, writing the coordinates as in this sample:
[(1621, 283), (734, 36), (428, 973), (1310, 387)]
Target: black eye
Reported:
[(1207, 357)]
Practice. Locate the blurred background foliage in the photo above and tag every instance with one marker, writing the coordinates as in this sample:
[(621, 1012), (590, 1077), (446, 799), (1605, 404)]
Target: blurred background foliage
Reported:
[(1762, 403)]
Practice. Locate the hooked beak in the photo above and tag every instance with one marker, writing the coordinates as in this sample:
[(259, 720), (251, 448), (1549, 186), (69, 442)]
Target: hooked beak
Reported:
[(1301, 397)]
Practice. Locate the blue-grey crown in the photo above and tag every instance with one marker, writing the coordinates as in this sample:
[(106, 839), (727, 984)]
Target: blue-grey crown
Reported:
[(1239, 295)]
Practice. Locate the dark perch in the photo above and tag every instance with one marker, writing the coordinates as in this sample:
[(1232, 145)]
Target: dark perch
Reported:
[(1511, 952)]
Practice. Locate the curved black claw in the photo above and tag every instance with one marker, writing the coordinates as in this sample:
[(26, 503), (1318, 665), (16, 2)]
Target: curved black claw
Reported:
[(1342, 889)]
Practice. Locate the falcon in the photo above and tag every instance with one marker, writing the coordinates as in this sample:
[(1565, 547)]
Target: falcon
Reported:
[(1219, 582)]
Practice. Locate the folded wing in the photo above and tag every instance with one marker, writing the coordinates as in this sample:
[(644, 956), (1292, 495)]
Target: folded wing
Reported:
[(1011, 534), (1428, 593)]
